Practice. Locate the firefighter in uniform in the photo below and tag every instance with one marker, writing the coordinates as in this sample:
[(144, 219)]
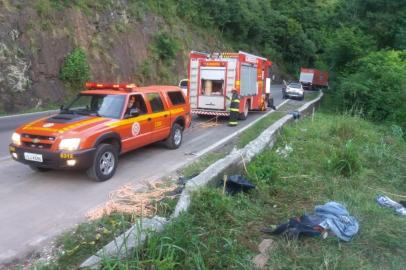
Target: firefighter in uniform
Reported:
[(234, 108)]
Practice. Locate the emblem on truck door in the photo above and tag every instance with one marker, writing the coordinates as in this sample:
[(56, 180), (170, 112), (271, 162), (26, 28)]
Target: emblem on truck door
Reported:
[(136, 129)]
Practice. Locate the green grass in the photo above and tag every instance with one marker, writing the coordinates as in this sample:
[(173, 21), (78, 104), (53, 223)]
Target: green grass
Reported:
[(202, 163), (222, 232), (251, 133), (311, 95), (85, 240)]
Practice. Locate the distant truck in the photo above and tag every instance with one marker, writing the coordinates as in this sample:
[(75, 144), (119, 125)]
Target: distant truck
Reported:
[(212, 77), (313, 79)]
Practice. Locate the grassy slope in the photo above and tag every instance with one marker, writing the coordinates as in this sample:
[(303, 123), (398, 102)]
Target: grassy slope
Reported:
[(338, 158)]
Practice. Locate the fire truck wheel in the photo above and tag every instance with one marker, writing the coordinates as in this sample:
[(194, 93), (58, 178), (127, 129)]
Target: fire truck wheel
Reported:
[(175, 138), (39, 169), (244, 115), (104, 163)]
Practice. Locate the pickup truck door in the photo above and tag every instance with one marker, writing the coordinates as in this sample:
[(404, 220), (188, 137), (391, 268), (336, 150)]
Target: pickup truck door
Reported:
[(161, 116), (136, 131)]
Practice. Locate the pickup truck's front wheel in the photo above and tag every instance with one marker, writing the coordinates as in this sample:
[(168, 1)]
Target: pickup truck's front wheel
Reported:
[(175, 138), (104, 163)]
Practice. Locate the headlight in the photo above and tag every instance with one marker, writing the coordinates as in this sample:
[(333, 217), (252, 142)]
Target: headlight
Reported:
[(69, 144), (16, 138)]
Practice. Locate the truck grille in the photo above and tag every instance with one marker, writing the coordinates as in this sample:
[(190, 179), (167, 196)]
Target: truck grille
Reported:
[(38, 145), (39, 137), (37, 141)]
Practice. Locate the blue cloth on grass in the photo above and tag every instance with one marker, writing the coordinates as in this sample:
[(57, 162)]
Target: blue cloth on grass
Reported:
[(338, 220)]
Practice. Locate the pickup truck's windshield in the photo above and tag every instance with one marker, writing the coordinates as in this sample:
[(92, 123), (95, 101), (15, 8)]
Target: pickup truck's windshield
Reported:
[(99, 105)]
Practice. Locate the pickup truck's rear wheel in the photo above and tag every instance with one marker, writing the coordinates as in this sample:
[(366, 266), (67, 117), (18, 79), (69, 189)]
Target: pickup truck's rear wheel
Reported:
[(175, 138), (104, 163)]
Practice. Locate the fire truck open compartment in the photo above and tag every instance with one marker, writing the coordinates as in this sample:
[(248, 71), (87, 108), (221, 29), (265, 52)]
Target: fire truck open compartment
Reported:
[(212, 81)]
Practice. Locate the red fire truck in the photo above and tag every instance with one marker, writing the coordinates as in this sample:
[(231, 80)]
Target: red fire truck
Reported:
[(212, 77)]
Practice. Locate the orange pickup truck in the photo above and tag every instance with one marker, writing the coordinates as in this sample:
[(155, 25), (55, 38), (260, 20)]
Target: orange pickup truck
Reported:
[(103, 121)]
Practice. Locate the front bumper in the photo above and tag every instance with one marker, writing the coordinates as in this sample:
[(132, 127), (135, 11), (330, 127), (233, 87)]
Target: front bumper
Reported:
[(54, 160), (294, 94)]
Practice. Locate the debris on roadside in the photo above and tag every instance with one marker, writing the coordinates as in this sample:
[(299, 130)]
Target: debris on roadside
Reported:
[(131, 200), (331, 218), (295, 114), (284, 152), (262, 258), (385, 201), (237, 183)]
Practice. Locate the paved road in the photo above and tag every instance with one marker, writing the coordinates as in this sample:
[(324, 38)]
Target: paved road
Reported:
[(9, 123), (37, 206)]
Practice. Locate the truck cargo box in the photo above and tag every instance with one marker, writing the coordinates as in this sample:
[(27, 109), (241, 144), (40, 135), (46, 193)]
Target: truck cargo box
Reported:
[(313, 78)]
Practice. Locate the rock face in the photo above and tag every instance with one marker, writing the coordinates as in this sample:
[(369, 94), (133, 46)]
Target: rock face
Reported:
[(36, 36)]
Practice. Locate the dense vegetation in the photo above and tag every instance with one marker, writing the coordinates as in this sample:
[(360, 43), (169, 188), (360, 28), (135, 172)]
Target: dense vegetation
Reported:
[(360, 42)]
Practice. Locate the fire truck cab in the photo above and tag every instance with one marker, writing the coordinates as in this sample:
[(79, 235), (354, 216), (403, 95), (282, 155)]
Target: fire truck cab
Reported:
[(212, 77)]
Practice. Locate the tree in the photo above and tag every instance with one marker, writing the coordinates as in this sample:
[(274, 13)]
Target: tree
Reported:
[(378, 87)]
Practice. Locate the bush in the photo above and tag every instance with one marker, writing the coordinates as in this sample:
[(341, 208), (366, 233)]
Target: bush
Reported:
[(165, 47), (346, 160), (75, 70), (377, 87)]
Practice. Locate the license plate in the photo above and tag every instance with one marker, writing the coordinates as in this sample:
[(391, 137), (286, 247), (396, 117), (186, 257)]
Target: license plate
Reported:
[(33, 157)]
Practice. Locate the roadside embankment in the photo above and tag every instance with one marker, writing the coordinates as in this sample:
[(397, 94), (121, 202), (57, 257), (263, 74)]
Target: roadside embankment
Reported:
[(120, 246)]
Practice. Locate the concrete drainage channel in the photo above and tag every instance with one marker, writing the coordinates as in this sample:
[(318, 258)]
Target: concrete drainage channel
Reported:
[(135, 236)]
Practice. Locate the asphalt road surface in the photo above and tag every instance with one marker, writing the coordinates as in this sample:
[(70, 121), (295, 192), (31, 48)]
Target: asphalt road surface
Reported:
[(35, 206), (9, 123)]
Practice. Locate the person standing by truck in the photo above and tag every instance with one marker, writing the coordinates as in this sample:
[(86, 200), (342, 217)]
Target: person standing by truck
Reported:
[(234, 108)]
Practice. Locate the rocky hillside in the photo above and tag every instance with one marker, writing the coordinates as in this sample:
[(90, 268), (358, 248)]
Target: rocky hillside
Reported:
[(49, 47)]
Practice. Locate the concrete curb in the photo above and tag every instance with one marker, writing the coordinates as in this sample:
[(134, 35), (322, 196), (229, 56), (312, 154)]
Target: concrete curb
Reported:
[(26, 114), (132, 238), (211, 173)]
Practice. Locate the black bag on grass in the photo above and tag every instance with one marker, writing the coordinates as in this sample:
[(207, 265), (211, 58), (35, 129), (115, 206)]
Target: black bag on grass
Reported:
[(237, 183)]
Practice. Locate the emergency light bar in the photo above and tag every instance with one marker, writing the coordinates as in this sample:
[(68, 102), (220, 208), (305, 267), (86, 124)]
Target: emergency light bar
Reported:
[(110, 86)]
